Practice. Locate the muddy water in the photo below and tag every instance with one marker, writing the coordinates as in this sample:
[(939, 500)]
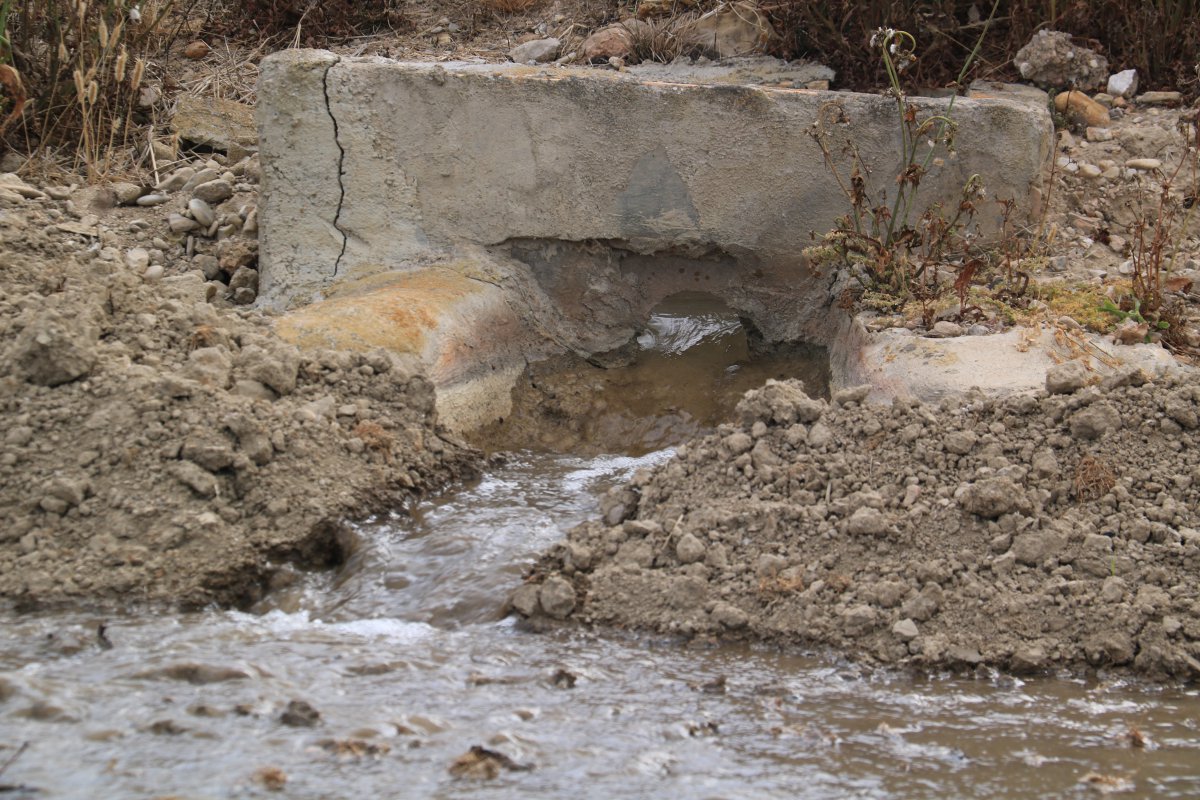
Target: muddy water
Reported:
[(679, 378), (405, 656)]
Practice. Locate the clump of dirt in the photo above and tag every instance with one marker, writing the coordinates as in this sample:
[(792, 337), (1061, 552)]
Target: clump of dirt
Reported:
[(158, 448), (1029, 534)]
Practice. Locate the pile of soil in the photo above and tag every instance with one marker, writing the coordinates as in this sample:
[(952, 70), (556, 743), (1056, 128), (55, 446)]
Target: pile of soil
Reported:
[(160, 447), (1027, 534)]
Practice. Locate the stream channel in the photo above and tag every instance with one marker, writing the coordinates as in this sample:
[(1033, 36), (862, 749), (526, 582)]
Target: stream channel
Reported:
[(406, 659)]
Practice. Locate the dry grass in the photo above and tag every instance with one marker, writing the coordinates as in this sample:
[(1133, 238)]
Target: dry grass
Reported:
[(663, 40), (82, 64), (1094, 478), (508, 6)]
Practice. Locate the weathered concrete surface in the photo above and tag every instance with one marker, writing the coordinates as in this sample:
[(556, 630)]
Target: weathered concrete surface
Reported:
[(560, 206), (450, 319), (433, 156), (898, 363)]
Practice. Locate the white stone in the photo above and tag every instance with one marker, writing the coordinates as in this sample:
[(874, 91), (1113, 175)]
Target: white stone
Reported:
[(1146, 164), (537, 51), (1123, 83), (201, 212), (137, 258)]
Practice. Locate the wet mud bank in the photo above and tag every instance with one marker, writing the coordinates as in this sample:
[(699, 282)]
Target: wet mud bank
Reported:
[(1032, 534), (159, 449)]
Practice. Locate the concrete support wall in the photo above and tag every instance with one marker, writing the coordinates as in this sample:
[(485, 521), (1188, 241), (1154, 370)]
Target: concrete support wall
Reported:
[(372, 165)]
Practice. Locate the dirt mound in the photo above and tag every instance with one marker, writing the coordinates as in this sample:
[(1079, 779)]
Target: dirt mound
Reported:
[(1028, 534), (157, 448)]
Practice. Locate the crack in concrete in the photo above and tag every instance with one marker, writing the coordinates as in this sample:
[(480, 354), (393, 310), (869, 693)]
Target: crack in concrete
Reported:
[(341, 167)]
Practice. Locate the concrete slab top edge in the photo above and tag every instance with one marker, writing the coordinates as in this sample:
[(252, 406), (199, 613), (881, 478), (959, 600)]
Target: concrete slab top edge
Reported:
[(995, 93)]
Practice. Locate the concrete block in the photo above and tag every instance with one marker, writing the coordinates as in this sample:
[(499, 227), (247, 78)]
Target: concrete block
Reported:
[(374, 165)]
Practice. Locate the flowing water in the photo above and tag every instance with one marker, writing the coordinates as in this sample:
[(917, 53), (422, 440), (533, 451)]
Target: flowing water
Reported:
[(404, 654)]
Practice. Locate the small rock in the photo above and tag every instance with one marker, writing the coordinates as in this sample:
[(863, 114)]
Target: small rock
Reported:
[(858, 620), (201, 212), (137, 259), (851, 395), (946, 328), (181, 224), (126, 193), (1145, 164), (213, 192), (1098, 134), (176, 180), (557, 597), (1090, 171), (244, 296), (1123, 83), (732, 29), (1066, 378), (689, 549), (730, 616), (197, 50), (525, 600), (992, 497), (147, 200), (244, 278), (538, 51), (1050, 60), (867, 521), (54, 349), (1160, 99), (905, 630), (153, 273), (1034, 548), (13, 183), (195, 478), (960, 442), (1082, 110), (203, 176), (1027, 659), (1095, 421)]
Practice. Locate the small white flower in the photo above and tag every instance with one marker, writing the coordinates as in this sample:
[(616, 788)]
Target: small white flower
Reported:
[(135, 15)]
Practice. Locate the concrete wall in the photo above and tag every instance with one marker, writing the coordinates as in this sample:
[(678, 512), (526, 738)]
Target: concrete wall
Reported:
[(374, 165)]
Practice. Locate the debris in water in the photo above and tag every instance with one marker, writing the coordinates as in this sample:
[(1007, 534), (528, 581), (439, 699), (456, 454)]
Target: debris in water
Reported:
[(563, 679), (1107, 784), (1138, 739), (706, 728), (272, 778), (102, 636), (479, 763), (166, 727), (354, 748), (300, 714)]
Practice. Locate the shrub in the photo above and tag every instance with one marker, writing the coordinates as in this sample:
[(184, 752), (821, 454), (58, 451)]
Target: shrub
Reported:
[(81, 64)]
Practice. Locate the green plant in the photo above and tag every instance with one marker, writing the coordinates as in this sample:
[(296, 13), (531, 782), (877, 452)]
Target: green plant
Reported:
[(895, 254), (1147, 309)]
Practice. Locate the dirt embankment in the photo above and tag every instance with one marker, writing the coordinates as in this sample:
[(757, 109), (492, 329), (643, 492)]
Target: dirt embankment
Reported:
[(1028, 534), (158, 448)]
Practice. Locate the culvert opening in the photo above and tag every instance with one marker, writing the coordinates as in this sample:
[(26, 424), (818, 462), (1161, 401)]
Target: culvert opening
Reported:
[(679, 376)]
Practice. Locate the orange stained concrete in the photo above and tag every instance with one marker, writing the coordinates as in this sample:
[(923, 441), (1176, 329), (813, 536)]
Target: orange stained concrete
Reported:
[(393, 310)]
